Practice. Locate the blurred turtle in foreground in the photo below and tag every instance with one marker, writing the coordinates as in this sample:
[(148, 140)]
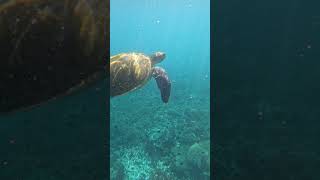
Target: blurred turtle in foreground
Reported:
[(130, 71), (50, 48)]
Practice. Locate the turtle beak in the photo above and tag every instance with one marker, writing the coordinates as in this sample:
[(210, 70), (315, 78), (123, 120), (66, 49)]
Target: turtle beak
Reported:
[(159, 56)]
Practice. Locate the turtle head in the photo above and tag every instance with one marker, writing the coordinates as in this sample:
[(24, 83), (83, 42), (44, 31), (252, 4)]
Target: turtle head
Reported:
[(158, 57)]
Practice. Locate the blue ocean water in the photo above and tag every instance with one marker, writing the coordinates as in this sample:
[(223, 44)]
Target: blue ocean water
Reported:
[(150, 139), (61, 139)]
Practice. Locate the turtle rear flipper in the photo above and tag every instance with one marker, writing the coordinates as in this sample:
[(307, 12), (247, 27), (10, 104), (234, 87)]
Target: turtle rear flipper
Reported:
[(163, 83)]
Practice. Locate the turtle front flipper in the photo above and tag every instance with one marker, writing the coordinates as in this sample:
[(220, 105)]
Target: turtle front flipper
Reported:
[(163, 83)]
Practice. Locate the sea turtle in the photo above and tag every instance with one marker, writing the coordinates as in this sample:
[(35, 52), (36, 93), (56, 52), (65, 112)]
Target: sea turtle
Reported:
[(130, 71), (50, 48)]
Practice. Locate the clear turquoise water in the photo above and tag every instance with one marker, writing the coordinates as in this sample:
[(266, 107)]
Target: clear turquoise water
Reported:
[(145, 133)]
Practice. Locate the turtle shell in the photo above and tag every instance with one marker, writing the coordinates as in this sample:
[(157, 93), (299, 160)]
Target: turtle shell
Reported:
[(129, 71), (48, 47)]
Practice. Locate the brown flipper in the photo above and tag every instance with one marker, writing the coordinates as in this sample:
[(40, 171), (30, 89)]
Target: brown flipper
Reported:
[(163, 83)]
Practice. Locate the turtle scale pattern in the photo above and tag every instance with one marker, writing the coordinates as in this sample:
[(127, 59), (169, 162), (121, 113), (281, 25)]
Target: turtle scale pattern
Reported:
[(129, 71)]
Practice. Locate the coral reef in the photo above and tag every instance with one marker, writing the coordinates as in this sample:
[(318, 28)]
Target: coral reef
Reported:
[(162, 172), (159, 139), (198, 158), (199, 155), (136, 163)]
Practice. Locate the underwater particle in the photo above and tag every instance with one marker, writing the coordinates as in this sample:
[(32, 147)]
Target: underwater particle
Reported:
[(34, 78), (49, 68), (189, 4), (83, 108), (70, 124), (309, 46), (11, 76), (5, 163), (158, 21), (12, 141), (34, 21), (260, 115)]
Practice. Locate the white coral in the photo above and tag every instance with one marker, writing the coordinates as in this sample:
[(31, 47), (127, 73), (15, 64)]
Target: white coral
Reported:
[(136, 163)]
